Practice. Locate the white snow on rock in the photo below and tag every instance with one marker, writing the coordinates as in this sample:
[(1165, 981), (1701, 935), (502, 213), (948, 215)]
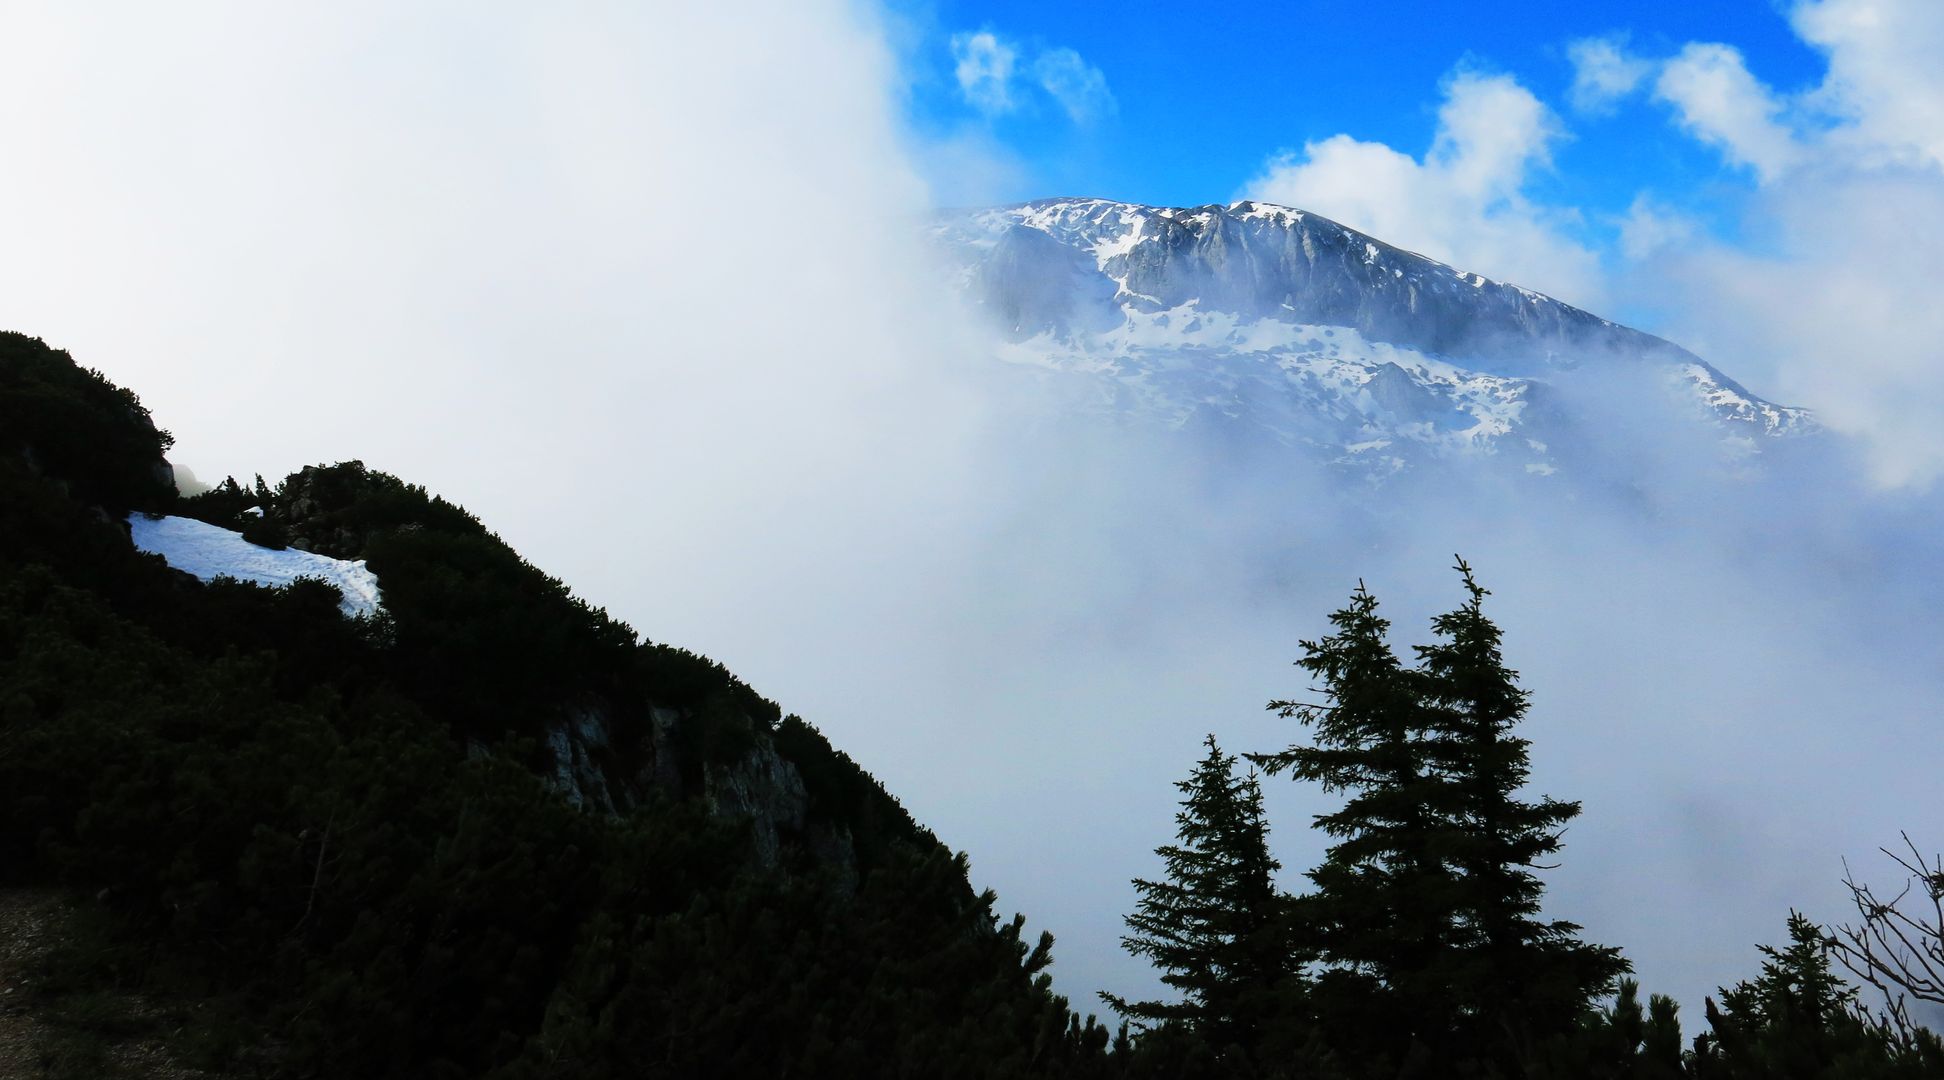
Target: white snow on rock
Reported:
[(1266, 319), (210, 552)]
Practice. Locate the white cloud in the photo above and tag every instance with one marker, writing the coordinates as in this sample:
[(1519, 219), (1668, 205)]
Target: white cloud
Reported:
[(1650, 227), (1880, 103), (1837, 309), (1885, 79), (1722, 104), (995, 77), (1463, 202), (1841, 315), (969, 166), (984, 65), (1078, 86), (1490, 131), (1604, 73)]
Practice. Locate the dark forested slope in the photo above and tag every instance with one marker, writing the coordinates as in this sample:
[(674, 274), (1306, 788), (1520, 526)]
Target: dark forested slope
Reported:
[(487, 832)]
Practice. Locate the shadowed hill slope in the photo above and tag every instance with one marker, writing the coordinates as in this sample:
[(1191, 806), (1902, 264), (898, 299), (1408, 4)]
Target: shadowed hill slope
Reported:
[(487, 832)]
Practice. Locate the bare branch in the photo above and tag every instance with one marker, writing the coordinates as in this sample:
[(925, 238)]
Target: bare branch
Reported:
[(1895, 949)]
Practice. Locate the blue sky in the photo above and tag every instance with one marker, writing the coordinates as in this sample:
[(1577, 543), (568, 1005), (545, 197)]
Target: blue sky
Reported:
[(1202, 97), (1249, 78)]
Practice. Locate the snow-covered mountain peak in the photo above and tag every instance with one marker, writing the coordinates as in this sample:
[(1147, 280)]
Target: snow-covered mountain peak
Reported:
[(1313, 331)]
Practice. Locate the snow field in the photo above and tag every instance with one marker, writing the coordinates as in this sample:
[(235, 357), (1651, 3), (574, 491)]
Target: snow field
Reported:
[(210, 552)]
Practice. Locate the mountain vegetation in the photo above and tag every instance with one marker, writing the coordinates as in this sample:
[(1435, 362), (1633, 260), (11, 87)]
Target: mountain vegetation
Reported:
[(491, 832), (1214, 927), (346, 841), (1418, 949)]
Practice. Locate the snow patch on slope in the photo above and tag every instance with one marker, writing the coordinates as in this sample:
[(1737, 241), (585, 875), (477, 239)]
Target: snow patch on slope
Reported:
[(210, 552), (1727, 400), (1304, 384)]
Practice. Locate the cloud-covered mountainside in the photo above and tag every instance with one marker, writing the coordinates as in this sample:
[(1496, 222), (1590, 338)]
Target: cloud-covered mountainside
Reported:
[(1314, 334)]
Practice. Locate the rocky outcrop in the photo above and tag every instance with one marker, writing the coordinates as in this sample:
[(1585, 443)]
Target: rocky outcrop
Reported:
[(578, 744), (1040, 263), (759, 787), (764, 790), (311, 528)]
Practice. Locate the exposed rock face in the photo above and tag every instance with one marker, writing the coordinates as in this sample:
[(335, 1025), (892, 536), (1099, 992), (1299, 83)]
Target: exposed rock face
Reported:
[(578, 774), (1260, 262), (313, 511), (310, 529), (764, 790), (1273, 262), (760, 787)]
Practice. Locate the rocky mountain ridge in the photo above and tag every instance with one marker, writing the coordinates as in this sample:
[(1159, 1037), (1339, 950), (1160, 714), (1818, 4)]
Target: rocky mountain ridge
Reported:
[(1310, 332)]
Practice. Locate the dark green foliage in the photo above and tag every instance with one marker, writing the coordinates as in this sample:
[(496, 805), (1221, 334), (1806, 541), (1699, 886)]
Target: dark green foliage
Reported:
[(1424, 910), (1621, 1041), (1512, 972), (1645, 1046), (91, 437), (224, 504), (497, 646), (841, 792), (283, 847), (267, 533), (1383, 912), (765, 982), (1797, 1019), (1215, 926)]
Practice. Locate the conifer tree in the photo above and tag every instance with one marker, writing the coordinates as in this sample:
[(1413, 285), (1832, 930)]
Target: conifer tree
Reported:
[(1213, 925), (1425, 908), (1383, 909), (1798, 1019), (1508, 970)]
